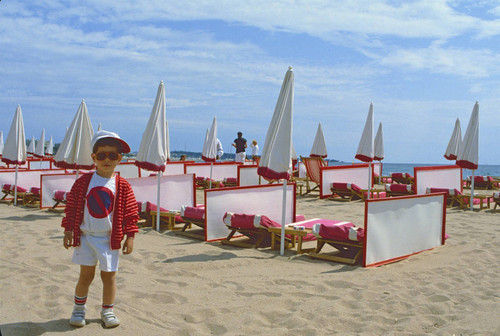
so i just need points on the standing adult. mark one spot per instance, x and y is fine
(220, 150)
(255, 149)
(240, 143)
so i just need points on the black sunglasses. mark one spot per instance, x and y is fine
(113, 156)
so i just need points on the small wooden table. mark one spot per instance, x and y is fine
(488, 198)
(297, 235)
(167, 217)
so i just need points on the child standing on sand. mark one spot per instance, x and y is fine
(100, 210)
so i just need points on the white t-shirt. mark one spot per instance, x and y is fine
(98, 211)
(255, 149)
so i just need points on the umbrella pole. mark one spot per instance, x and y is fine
(283, 218)
(158, 203)
(15, 186)
(472, 191)
(369, 179)
(210, 181)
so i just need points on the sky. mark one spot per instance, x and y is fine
(422, 64)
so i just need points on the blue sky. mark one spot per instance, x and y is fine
(422, 64)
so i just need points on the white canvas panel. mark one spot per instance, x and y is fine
(449, 177)
(248, 176)
(219, 171)
(262, 200)
(401, 226)
(377, 168)
(26, 178)
(175, 190)
(357, 174)
(127, 170)
(39, 164)
(51, 183)
(174, 168)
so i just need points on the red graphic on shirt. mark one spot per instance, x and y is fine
(100, 202)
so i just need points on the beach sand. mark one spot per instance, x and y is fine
(172, 285)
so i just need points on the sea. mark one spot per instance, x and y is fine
(387, 168)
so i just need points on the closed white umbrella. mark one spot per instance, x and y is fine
(49, 150)
(378, 146)
(209, 152)
(31, 146)
(14, 151)
(75, 151)
(455, 142)
(365, 147)
(152, 154)
(168, 140)
(468, 156)
(40, 146)
(275, 162)
(319, 145)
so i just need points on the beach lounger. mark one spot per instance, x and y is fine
(313, 172)
(392, 190)
(350, 192)
(403, 178)
(9, 190)
(455, 197)
(496, 199)
(345, 237)
(485, 182)
(255, 228)
(32, 197)
(59, 197)
(193, 216)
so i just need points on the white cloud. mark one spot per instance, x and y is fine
(446, 60)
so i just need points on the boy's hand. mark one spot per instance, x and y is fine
(68, 239)
(128, 246)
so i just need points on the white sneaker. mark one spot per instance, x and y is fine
(109, 318)
(78, 316)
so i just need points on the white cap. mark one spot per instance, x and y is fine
(106, 134)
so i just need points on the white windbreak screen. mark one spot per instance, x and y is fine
(51, 183)
(39, 164)
(175, 190)
(354, 174)
(127, 170)
(174, 168)
(258, 200)
(377, 168)
(248, 176)
(26, 178)
(401, 226)
(219, 171)
(445, 177)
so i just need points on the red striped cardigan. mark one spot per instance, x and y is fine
(125, 211)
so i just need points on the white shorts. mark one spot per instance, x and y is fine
(95, 248)
(240, 157)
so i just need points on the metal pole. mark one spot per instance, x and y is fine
(158, 202)
(283, 218)
(472, 191)
(15, 186)
(369, 179)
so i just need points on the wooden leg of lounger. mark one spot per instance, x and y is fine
(274, 237)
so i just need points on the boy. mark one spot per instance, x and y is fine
(100, 210)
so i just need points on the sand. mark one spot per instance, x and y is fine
(172, 285)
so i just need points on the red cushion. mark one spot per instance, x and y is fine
(346, 186)
(190, 212)
(35, 191)
(60, 195)
(400, 188)
(337, 230)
